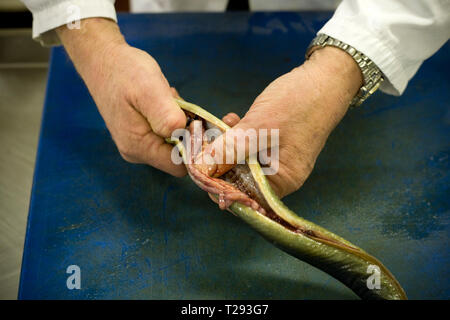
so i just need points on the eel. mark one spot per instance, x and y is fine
(245, 191)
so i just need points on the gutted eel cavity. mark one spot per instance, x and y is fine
(246, 192)
(227, 192)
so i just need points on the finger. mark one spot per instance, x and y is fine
(158, 154)
(175, 93)
(155, 102)
(231, 119)
(237, 144)
(149, 149)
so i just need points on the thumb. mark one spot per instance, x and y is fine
(245, 140)
(156, 104)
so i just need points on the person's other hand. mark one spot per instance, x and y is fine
(130, 91)
(305, 105)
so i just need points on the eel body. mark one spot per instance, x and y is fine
(247, 193)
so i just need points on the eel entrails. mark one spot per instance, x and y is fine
(246, 192)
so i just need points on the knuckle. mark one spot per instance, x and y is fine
(126, 152)
(295, 178)
(174, 121)
(309, 167)
(298, 183)
(152, 147)
(303, 175)
(126, 157)
(179, 174)
(169, 123)
(121, 146)
(295, 184)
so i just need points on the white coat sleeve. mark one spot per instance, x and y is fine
(398, 35)
(50, 14)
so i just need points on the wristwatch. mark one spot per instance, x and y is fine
(372, 75)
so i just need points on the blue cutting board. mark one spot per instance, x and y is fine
(382, 180)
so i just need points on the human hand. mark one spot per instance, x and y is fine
(130, 91)
(305, 105)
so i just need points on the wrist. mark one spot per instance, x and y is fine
(91, 43)
(339, 67)
(327, 82)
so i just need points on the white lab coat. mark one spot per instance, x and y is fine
(398, 35)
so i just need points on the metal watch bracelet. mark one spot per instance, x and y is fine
(372, 76)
